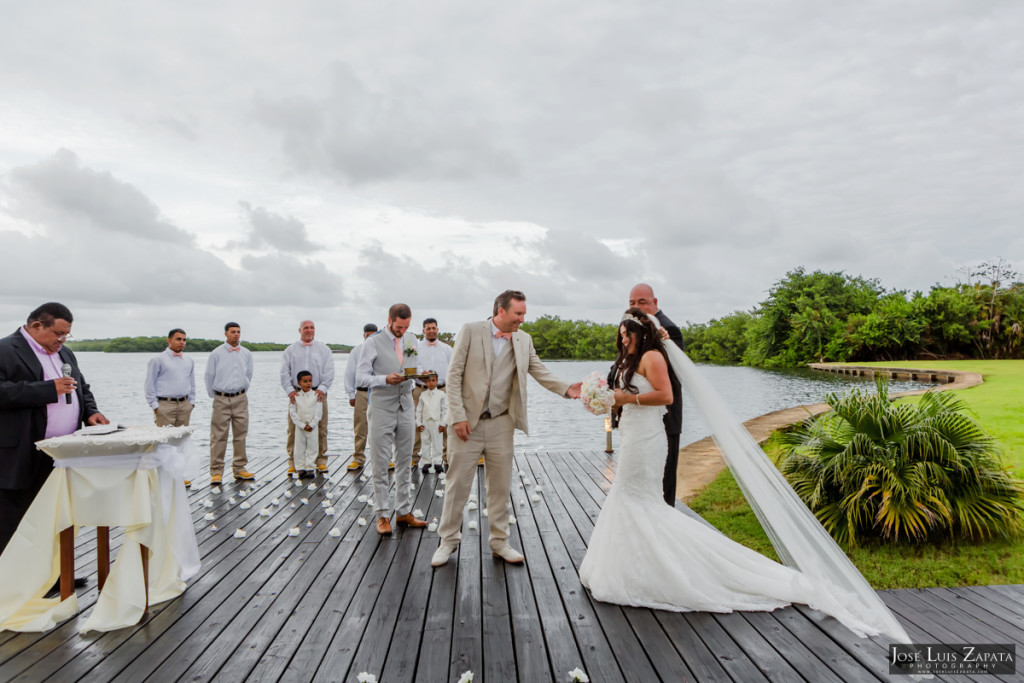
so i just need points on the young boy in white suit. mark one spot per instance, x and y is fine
(430, 422)
(305, 413)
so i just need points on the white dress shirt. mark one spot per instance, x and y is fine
(228, 371)
(350, 371)
(170, 376)
(433, 356)
(317, 358)
(497, 343)
(306, 410)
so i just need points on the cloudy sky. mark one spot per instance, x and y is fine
(186, 164)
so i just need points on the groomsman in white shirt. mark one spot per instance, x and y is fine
(318, 359)
(171, 384)
(357, 398)
(228, 373)
(432, 355)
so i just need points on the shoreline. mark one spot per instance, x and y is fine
(701, 462)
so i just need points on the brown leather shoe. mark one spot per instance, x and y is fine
(383, 526)
(408, 520)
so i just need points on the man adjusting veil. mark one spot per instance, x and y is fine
(486, 404)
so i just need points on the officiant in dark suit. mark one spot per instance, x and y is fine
(642, 297)
(36, 402)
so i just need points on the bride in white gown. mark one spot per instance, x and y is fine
(646, 554)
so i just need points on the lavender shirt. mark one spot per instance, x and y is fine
(61, 417)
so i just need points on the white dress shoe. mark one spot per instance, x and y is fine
(510, 555)
(441, 555)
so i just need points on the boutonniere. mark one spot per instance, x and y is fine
(410, 351)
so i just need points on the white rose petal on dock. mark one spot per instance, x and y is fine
(371, 502)
(243, 494)
(304, 501)
(511, 519)
(276, 501)
(207, 503)
(245, 505)
(325, 503)
(484, 512)
(215, 489)
(209, 515)
(292, 506)
(311, 487)
(265, 512)
(417, 513)
(328, 495)
(472, 498)
(466, 677)
(535, 498)
(334, 533)
(231, 500)
(526, 482)
(439, 493)
(472, 524)
(362, 498)
(538, 488)
(239, 533)
(298, 483)
(412, 487)
(294, 531)
(471, 505)
(329, 512)
(309, 525)
(287, 494)
(364, 677)
(432, 526)
(361, 521)
(442, 476)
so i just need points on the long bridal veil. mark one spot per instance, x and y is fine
(799, 539)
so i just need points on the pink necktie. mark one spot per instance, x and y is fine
(502, 335)
(398, 350)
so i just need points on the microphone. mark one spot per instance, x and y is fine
(66, 371)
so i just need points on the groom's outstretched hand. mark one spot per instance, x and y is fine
(574, 390)
(462, 430)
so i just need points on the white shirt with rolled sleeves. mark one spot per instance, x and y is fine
(433, 356)
(317, 358)
(350, 371)
(228, 371)
(170, 376)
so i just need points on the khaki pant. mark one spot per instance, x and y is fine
(418, 442)
(228, 413)
(321, 456)
(360, 427)
(172, 413)
(492, 439)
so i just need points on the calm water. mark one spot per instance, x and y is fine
(555, 423)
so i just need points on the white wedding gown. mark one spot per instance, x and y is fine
(645, 554)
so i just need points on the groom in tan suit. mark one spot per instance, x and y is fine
(486, 403)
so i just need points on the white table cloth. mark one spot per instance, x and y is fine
(131, 479)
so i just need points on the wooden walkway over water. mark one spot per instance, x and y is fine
(272, 607)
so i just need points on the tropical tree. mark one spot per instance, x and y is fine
(872, 468)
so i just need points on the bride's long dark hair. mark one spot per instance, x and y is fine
(638, 324)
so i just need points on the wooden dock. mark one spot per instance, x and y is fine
(274, 607)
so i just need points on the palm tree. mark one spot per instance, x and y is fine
(874, 468)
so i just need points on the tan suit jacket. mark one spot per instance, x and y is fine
(470, 371)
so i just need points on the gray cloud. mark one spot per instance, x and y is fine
(272, 230)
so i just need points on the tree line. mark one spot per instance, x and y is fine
(833, 316)
(158, 344)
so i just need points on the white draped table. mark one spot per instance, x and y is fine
(132, 479)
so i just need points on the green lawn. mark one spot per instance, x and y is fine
(998, 405)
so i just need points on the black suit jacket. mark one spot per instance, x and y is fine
(24, 395)
(674, 416)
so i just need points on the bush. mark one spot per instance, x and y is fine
(874, 469)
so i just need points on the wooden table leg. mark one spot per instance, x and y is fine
(67, 563)
(102, 554)
(145, 575)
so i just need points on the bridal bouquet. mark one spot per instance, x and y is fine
(596, 395)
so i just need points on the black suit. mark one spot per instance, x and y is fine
(24, 395)
(674, 415)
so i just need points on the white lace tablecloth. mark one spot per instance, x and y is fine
(132, 479)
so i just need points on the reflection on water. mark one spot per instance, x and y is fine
(555, 423)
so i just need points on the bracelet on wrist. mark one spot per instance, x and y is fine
(638, 399)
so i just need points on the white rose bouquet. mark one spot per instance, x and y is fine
(596, 395)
